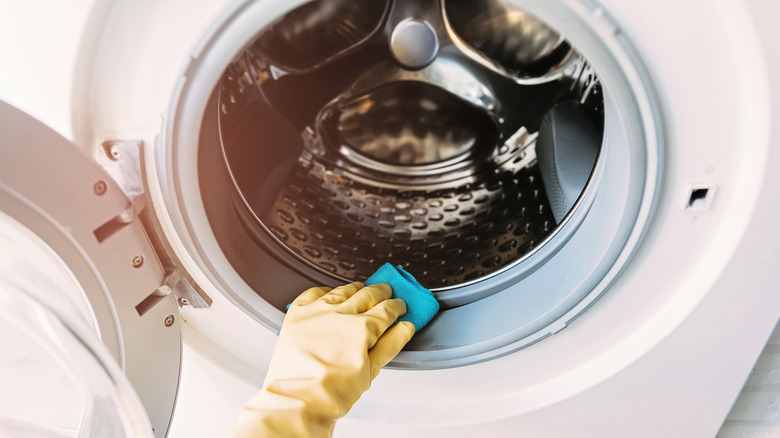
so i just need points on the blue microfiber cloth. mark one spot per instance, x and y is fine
(421, 306)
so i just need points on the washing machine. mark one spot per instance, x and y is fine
(588, 189)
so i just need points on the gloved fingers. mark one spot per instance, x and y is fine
(367, 297)
(380, 317)
(389, 345)
(342, 293)
(310, 295)
(387, 311)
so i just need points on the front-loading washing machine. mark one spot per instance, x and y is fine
(585, 186)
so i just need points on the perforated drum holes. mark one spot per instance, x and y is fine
(443, 236)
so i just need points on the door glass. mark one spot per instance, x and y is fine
(57, 378)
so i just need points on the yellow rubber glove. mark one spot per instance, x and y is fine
(332, 345)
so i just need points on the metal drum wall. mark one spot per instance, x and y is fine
(352, 160)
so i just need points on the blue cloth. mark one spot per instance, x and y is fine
(421, 306)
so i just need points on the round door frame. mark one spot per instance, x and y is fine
(626, 178)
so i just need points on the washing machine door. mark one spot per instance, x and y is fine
(90, 324)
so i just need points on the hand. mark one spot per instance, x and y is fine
(332, 345)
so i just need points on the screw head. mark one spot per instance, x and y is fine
(138, 261)
(116, 154)
(100, 188)
(169, 320)
(184, 301)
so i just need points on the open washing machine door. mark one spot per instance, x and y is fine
(91, 345)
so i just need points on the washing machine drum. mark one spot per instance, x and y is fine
(458, 140)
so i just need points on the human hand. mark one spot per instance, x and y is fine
(332, 345)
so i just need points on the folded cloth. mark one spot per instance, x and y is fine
(421, 306)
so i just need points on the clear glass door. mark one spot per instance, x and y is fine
(56, 377)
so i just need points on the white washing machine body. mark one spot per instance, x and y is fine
(663, 352)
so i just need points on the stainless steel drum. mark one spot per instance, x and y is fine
(356, 134)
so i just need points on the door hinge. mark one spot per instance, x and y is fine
(123, 161)
(185, 293)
